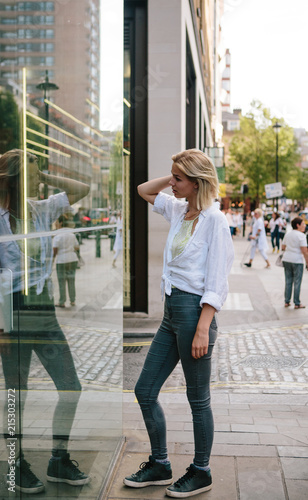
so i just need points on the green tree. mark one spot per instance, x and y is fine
(9, 122)
(10, 125)
(253, 152)
(297, 187)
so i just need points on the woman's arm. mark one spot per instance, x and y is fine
(75, 190)
(150, 189)
(200, 342)
(304, 251)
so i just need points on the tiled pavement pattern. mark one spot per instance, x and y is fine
(97, 355)
(256, 356)
(259, 358)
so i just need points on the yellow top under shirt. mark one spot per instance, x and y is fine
(182, 237)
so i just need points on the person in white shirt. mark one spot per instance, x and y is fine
(275, 225)
(231, 221)
(65, 247)
(197, 260)
(295, 254)
(238, 221)
(258, 238)
(118, 242)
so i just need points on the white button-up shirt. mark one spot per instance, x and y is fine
(203, 266)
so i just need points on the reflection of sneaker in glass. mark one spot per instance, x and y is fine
(25, 480)
(150, 474)
(195, 481)
(63, 470)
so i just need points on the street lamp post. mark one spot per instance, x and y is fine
(276, 128)
(46, 86)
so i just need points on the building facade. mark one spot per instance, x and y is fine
(172, 90)
(38, 35)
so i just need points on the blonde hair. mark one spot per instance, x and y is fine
(10, 168)
(198, 167)
(259, 211)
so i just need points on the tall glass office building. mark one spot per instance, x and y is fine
(60, 255)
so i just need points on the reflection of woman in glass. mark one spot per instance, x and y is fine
(35, 326)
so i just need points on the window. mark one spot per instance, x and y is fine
(8, 48)
(38, 6)
(8, 62)
(35, 20)
(8, 34)
(31, 33)
(8, 20)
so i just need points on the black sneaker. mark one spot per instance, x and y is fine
(150, 474)
(247, 264)
(195, 481)
(25, 480)
(64, 470)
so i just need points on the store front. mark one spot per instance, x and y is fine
(60, 268)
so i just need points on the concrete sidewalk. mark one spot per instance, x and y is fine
(260, 447)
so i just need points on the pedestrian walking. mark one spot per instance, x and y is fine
(283, 228)
(65, 253)
(238, 221)
(197, 259)
(35, 327)
(275, 224)
(295, 255)
(231, 221)
(118, 242)
(258, 238)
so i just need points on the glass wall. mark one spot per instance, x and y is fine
(60, 251)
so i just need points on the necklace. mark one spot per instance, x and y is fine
(191, 216)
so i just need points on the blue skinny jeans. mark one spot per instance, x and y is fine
(172, 343)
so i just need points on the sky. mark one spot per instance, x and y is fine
(268, 41)
(111, 64)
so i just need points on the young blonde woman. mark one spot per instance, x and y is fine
(197, 259)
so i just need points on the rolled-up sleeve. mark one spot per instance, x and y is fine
(167, 206)
(218, 265)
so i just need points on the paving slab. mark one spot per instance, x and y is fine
(260, 478)
(297, 490)
(295, 468)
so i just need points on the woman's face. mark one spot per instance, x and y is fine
(33, 180)
(182, 186)
(302, 226)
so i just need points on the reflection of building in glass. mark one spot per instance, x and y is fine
(62, 37)
(226, 82)
(172, 87)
